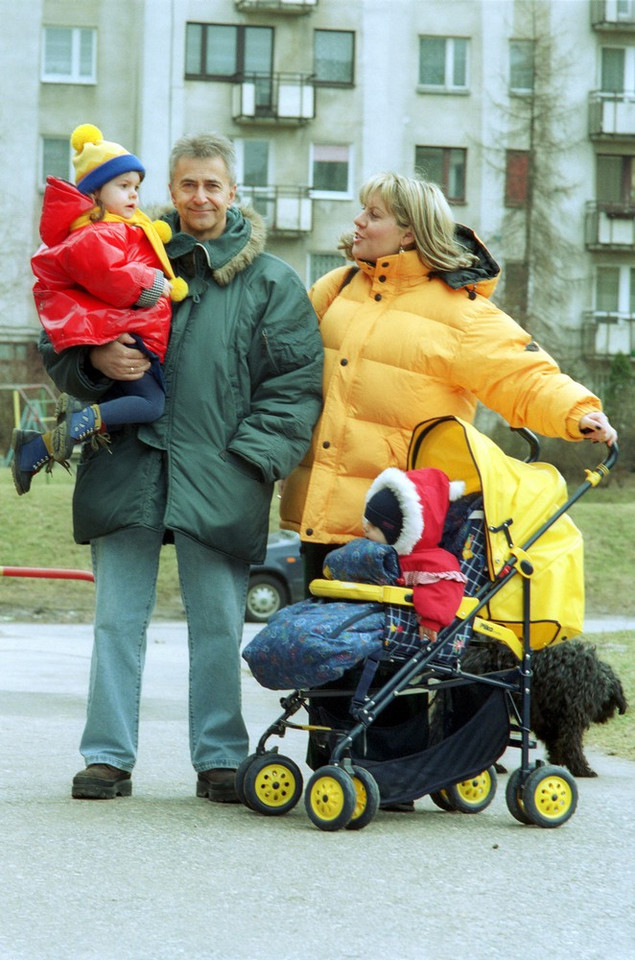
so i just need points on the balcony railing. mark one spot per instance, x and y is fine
(604, 335)
(613, 15)
(611, 114)
(610, 226)
(287, 7)
(274, 98)
(287, 210)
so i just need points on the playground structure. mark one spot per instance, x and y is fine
(33, 409)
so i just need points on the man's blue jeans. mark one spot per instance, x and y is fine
(214, 590)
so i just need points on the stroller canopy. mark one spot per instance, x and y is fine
(518, 500)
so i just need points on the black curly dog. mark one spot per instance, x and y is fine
(571, 689)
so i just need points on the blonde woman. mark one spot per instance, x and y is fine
(410, 333)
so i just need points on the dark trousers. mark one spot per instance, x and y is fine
(314, 555)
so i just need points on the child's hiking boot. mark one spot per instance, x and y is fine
(66, 404)
(76, 423)
(31, 452)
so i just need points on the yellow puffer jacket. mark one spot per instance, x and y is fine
(402, 346)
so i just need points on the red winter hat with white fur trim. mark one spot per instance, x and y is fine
(411, 506)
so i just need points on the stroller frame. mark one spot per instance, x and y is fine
(346, 793)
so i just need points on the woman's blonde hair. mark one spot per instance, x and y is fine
(421, 207)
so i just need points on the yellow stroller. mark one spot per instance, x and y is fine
(529, 594)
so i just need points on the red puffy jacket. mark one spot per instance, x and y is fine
(88, 278)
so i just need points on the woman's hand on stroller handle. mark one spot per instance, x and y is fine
(596, 427)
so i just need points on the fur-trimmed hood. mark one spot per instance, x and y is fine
(423, 496)
(242, 241)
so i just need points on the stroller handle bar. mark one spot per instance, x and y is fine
(534, 443)
(534, 451)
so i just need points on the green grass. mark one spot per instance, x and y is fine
(36, 532)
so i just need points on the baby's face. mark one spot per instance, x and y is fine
(371, 532)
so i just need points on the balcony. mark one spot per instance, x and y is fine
(287, 211)
(613, 15)
(610, 226)
(611, 115)
(284, 7)
(604, 335)
(274, 98)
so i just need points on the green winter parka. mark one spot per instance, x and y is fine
(243, 374)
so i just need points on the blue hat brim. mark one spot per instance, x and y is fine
(109, 170)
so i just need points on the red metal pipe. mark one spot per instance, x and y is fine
(46, 573)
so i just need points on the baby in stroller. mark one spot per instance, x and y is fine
(408, 510)
(316, 641)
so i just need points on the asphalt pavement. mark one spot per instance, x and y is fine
(162, 875)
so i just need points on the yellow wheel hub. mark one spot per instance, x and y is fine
(274, 785)
(475, 789)
(553, 797)
(327, 798)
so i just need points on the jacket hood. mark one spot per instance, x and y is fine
(238, 246)
(62, 205)
(423, 496)
(485, 270)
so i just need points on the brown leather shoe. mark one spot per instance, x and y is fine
(218, 784)
(101, 781)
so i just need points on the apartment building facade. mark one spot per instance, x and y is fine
(523, 110)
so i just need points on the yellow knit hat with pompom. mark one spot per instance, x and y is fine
(97, 161)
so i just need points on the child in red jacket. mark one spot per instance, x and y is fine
(102, 272)
(408, 510)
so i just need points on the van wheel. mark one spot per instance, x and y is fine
(265, 596)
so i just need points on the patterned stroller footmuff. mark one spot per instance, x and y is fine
(317, 641)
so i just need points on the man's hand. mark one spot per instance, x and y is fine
(118, 361)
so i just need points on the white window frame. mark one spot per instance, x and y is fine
(448, 86)
(74, 75)
(317, 194)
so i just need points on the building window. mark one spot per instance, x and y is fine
(615, 180)
(322, 263)
(334, 57)
(215, 51)
(615, 292)
(55, 158)
(69, 55)
(331, 170)
(252, 163)
(516, 178)
(521, 66)
(617, 70)
(443, 62)
(445, 166)
(516, 282)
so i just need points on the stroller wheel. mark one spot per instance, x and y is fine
(550, 796)
(330, 798)
(474, 794)
(368, 798)
(240, 777)
(513, 796)
(441, 799)
(272, 785)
